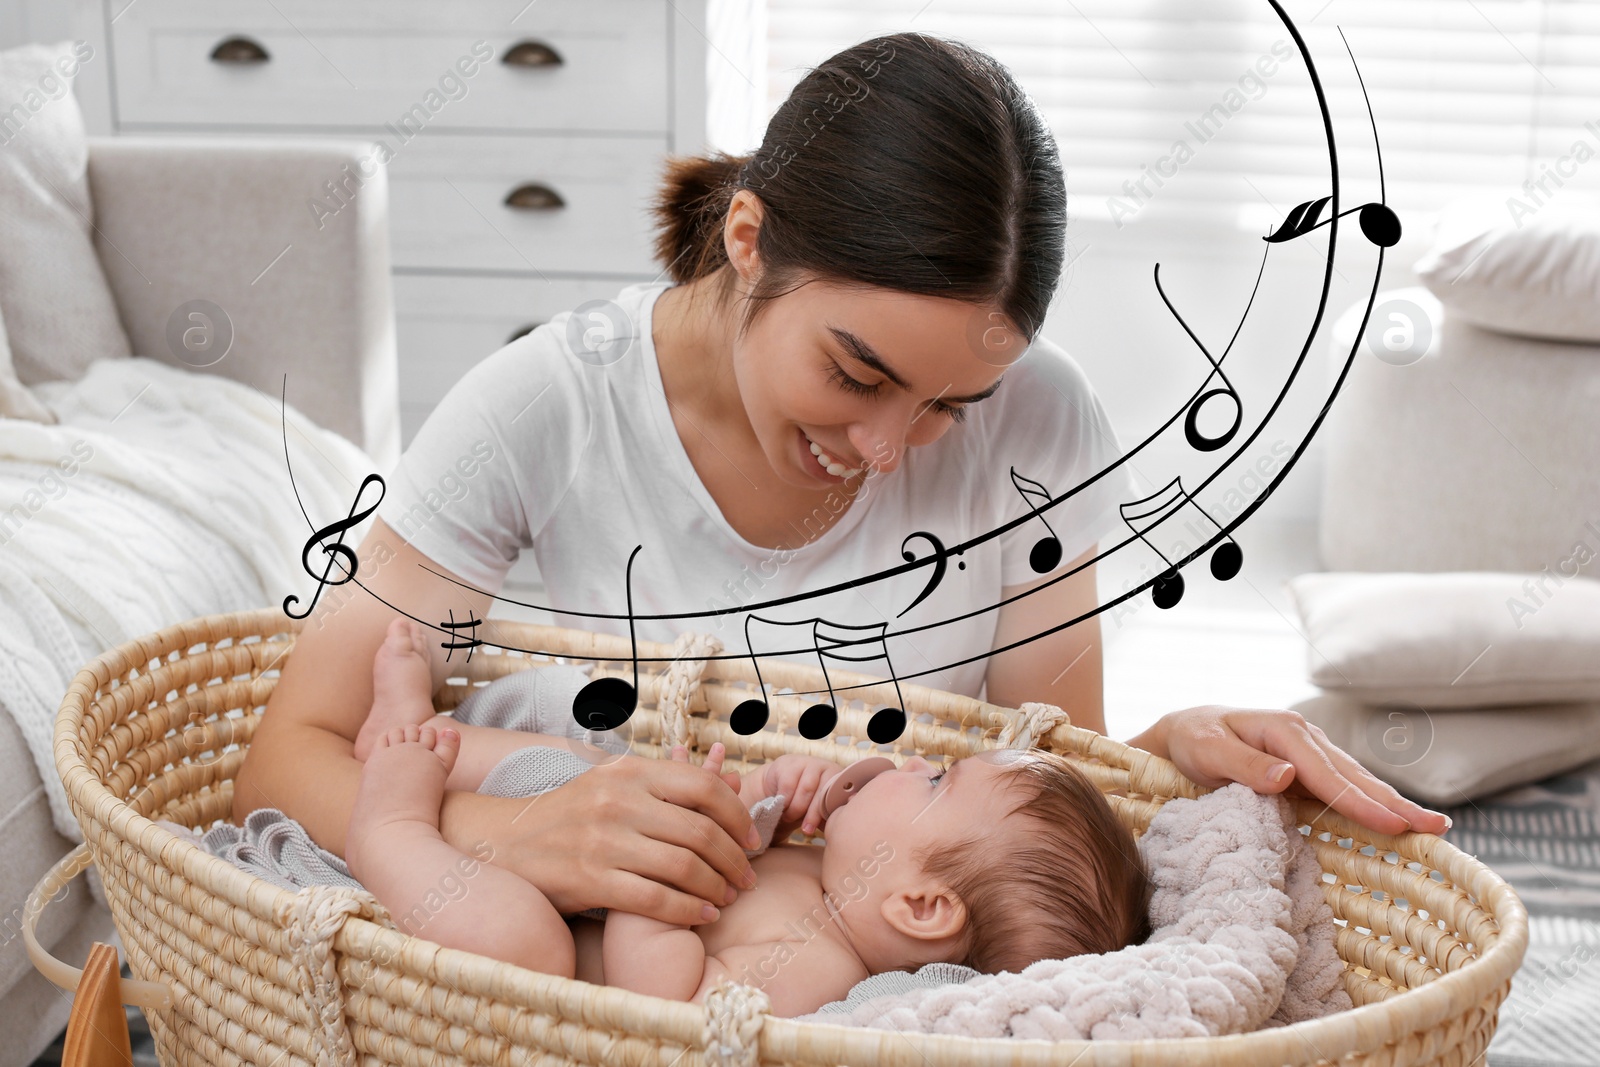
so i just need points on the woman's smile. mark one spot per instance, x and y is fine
(819, 462)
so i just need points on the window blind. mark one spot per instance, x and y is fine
(1211, 98)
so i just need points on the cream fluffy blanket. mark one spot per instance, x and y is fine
(1243, 939)
(160, 495)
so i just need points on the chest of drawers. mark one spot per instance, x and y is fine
(523, 140)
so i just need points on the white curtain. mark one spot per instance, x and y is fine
(1470, 96)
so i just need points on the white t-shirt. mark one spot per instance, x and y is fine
(537, 448)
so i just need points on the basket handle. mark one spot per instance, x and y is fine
(152, 996)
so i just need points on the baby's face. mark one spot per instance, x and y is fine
(918, 803)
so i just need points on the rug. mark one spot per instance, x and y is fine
(1544, 839)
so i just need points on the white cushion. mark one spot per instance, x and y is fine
(58, 308)
(1532, 273)
(1449, 757)
(1456, 640)
(16, 402)
(1478, 457)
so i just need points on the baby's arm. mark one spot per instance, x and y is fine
(804, 975)
(645, 955)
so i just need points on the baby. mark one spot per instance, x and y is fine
(1003, 859)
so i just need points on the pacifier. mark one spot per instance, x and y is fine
(848, 782)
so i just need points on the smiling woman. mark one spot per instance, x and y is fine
(845, 363)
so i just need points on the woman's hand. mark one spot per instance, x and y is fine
(653, 837)
(1270, 751)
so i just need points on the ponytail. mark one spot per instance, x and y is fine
(689, 212)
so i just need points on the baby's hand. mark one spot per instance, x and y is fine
(804, 780)
(713, 763)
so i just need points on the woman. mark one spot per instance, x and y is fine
(782, 419)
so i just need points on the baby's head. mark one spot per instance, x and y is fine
(1006, 859)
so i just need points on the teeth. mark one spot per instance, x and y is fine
(831, 465)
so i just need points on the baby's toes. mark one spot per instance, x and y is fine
(419, 639)
(395, 735)
(447, 745)
(398, 636)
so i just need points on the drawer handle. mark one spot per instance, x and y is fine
(239, 50)
(532, 196)
(523, 331)
(532, 54)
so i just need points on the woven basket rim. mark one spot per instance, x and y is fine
(1361, 1029)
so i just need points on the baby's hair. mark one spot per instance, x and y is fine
(1066, 880)
(930, 133)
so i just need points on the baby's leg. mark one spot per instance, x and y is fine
(402, 695)
(402, 684)
(395, 851)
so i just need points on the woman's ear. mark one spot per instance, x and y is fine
(741, 230)
(928, 912)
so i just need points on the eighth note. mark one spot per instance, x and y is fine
(1141, 515)
(1379, 224)
(338, 550)
(607, 703)
(456, 642)
(1046, 554)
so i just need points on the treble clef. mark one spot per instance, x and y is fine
(338, 551)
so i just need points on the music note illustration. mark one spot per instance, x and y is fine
(1142, 514)
(941, 560)
(456, 641)
(607, 703)
(1046, 553)
(1191, 423)
(1379, 224)
(338, 551)
(818, 721)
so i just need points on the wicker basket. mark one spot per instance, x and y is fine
(238, 971)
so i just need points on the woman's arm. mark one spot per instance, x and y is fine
(1267, 749)
(648, 836)
(1064, 668)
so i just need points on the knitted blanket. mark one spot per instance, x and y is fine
(161, 494)
(1242, 939)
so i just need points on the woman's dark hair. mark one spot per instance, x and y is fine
(906, 162)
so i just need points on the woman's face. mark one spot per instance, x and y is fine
(863, 374)
(852, 376)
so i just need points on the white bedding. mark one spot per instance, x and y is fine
(163, 494)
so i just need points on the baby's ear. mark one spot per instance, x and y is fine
(929, 912)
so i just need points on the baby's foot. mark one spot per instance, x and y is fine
(402, 785)
(402, 684)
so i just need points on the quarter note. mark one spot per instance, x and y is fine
(607, 703)
(456, 641)
(1046, 554)
(1191, 423)
(338, 551)
(1142, 514)
(819, 720)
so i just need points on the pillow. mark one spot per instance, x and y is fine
(15, 400)
(53, 294)
(1455, 640)
(1531, 271)
(1454, 756)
